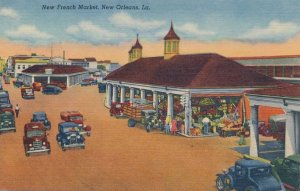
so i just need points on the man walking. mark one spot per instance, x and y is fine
(17, 110)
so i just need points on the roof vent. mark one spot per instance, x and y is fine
(48, 71)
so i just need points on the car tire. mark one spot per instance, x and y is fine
(27, 154)
(220, 184)
(250, 188)
(83, 147)
(88, 134)
(49, 152)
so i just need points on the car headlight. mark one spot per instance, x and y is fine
(30, 145)
(9, 122)
(80, 125)
(78, 136)
(68, 137)
(2, 123)
(44, 143)
(46, 121)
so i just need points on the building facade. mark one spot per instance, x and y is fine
(187, 87)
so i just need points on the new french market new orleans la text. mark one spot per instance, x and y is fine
(95, 7)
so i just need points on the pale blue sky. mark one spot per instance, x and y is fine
(203, 20)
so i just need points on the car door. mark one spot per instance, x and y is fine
(288, 171)
(241, 177)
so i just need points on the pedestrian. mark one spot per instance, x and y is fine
(174, 127)
(205, 122)
(17, 110)
(167, 124)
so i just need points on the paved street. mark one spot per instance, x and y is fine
(116, 157)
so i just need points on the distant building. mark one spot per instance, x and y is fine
(78, 62)
(11, 61)
(92, 62)
(23, 64)
(58, 61)
(69, 75)
(107, 65)
(285, 68)
(2, 64)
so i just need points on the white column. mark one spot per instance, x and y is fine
(297, 128)
(122, 98)
(108, 95)
(143, 94)
(254, 139)
(114, 93)
(131, 95)
(290, 141)
(170, 105)
(68, 81)
(155, 100)
(48, 81)
(187, 112)
(32, 79)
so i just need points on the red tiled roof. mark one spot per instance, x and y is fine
(90, 59)
(264, 57)
(292, 91)
(57, 69)
(171, 34)
(191, 71)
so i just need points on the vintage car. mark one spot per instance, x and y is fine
(54, 90)
(264, 129)
(116, 109)
(35, 138)
(69, 136)
(102, 87)
(151, 120)
(37, 86)
(7, 120)
(4, 100)
(288, 169)
(27, 92)
(248, 175)
(57, 84)
(18, 84)
(76, 117)
(277, 124)
(88, 82)
(41, 117)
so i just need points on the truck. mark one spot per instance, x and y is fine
(27, 92)
(4, 99)
(69, 136)
(277, 124)
(288, 169)
(143, 114)
(35, 138)
(41, 116)
(76, 117)
(7, 120)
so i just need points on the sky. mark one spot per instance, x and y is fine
(228, 27)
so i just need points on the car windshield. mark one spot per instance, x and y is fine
(35, 133)
(70, 129)
(260, 172)
(75, 118)
(4, 100)
(39, 117)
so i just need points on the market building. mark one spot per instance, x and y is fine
(286, 98)
(69, 75)
(187, 88)
(283, 67)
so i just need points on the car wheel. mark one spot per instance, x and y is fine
(83, 147)
(27, 154)
(220, 184)
(63, 147)
(250, 188)
(49, 152)
(15, 130)
(88, 134)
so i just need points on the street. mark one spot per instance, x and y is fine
(115, 157)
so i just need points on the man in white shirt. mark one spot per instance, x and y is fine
(205, 122)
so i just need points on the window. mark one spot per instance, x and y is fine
(19, 67)
(168, 47)
(23, 67)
